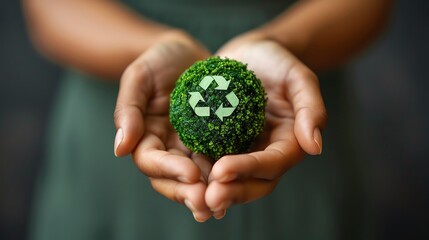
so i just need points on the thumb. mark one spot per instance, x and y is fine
(310, 112)
(131, 105)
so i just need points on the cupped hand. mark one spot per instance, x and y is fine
(294, 116)
(143, 128)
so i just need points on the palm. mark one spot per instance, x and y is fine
(279, 113)
(278, 132)
(142, 114)
(292, 92)
(271, 64)
(189, 178)
(168, 62)
(164, 64)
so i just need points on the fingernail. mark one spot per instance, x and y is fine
(220, 214)
(317, 137)
(200, 219)
(197, 216)
(118, 139)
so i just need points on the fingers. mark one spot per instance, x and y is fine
(221, 196)
(257, 165)
(174, 175)
(203, 162)
(131, 104)
(269, 164)
(192, 195)
(154, 161)
(281, 154)
(244, 178)
(303, 90)
(247, 177)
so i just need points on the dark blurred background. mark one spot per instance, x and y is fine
(389, 84)
(27, 85)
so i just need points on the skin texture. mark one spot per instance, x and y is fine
(106, 39)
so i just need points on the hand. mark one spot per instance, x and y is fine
(141, 117)
(294, 115)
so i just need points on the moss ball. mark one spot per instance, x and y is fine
(218, 107)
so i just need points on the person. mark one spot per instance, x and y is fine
(86, 193)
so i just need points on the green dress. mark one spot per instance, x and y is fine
(85, 193)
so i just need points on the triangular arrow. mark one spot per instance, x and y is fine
(222, 112)
(221, 82)
(232, 99)
(193, 101)
(206, 81)
(202, 111)
(195, 98)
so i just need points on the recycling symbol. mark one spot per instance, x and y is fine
(222, 111)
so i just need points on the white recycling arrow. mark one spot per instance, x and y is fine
(222, 112)
(193, 101)
(221, 82)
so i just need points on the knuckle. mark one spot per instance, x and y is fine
(176, 194)
(135, 72)
(225, 168)
(117, 113)
(303, 73)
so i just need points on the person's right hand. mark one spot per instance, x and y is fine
(143, 127)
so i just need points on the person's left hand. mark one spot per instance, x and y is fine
(294, 115)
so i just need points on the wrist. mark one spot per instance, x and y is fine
(183, 38)
(296, 43)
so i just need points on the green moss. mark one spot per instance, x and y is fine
(212, 135)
